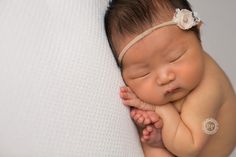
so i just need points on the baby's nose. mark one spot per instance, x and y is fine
(165, 78)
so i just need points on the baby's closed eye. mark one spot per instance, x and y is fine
(139, 74)
(175, 57)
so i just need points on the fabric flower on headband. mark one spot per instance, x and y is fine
(185, 19)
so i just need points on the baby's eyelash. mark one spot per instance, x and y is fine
(141, 76)
(145, 75)
(176, 58)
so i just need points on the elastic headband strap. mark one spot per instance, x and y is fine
(183, 18)
(141, 36)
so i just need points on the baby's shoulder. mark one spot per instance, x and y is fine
(215, 81)
(209, 92)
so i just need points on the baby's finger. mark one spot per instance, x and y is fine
(143, 139)
(130, 92)
(147, 121)
(145, 132)
(136, 117)
(124, 95)
(140, 120)
(146, 137)
(153, 116)
(149, 128)
(124, 89)
(158, 124)
(130, 102)
(133, 112)
(127, 102)
(127, 95)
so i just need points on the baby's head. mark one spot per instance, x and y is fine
(125, 19)
(158, 49)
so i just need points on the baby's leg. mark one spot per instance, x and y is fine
(149, 126)
(158, 152)
(152, 136)
(143, 118)
(152, 142)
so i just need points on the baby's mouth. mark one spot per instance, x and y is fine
(172, 90)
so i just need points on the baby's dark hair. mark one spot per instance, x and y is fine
(130, 17)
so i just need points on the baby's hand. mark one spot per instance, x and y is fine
(148, 122)
(149, 125)
(143, 118)
(130, 99)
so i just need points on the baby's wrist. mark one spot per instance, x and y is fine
(146, 106)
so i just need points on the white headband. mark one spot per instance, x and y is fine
(183, 18)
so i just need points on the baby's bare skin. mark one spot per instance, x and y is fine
(149, 126)
(224, 141)
(166, 70)
(148, 122)
(225, 137)
(186, 87)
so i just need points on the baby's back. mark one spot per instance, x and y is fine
(223, 142)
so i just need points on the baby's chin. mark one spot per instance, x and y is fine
(179, 96)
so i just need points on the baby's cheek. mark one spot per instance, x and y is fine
(194, 77)
(149, 94)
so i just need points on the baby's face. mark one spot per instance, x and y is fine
(164, 66)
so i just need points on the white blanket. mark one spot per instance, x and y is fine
(59, 83)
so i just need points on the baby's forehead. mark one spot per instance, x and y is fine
(120, 41)
(161, 37)
(122, 36)
(162, 41)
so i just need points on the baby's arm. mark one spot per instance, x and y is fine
(149, 126)
(183, 134)
(130, 99)
(187, 128)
